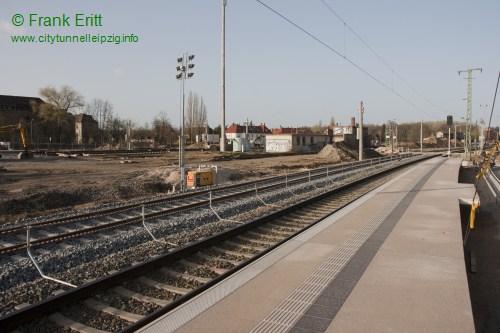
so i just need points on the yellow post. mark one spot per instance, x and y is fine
(473, 214)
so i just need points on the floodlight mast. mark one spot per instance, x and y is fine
(183, 75)
(467, 161)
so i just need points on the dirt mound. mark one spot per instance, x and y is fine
(198, 145)
(170, 174)
(338, 152)
(371, 153)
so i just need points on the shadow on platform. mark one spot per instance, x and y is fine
(482, 256)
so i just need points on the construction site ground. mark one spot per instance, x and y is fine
(49, 184)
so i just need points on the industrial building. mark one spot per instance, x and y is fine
(283, 143)
(16, 108)
(348, 134)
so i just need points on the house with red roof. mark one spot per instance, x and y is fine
(254, 134)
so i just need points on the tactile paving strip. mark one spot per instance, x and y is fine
(314, 304)
(299, 301)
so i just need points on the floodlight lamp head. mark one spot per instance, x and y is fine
(190, 66)
(190, 75)
(191, 57)
(179, 76)
(179, 59)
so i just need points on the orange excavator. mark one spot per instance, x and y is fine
(24, 139)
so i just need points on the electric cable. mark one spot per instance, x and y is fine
(343, 56)
(394, 72)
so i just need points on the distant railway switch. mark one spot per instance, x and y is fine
(200, 178)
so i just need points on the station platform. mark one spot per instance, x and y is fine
(392, 261)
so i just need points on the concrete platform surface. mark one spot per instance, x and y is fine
(393, 261)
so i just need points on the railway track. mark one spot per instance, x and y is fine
(14, 239)
(129, 298)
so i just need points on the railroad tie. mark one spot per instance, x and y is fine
(66, 322)
(159, 285)
(140, 297)
(125, 315)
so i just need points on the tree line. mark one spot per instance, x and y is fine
(54, 120)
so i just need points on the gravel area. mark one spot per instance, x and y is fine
(82, 261)
(93, 318)
(43, 325)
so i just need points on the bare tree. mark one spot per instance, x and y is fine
(58, 104)
(332, 122)
(66, 99)
(117, 129)
(164, 131)
(318, 129)
(102, 112)
(196, 116)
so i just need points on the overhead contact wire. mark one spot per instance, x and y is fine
(381, 59)
(342, 56)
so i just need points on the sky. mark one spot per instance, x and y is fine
(288, 62)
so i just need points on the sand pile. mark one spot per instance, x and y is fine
(165, 175)
(337, 153)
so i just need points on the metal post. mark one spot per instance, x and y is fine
(449, 138)
(421, 134)
(181, 141)
(396, 138)
(38, 268)
(391, 136)
(223, 78)
(361, 111)
(467, 161)
(184, 66)
(455, 136)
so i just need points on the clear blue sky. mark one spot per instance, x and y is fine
(275, 73)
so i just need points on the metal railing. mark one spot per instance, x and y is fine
(493, 184)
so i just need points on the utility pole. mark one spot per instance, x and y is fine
(421, 133)
(482, 138)
(223, 77)
(182, 75)
(449, 122)
(392, 127)
(467, 161)
(361, 111)
(455, 136)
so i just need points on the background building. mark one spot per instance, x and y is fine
(283, 143)
(253, 134)
(86, 129)
(15, 109)
(349, 134)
